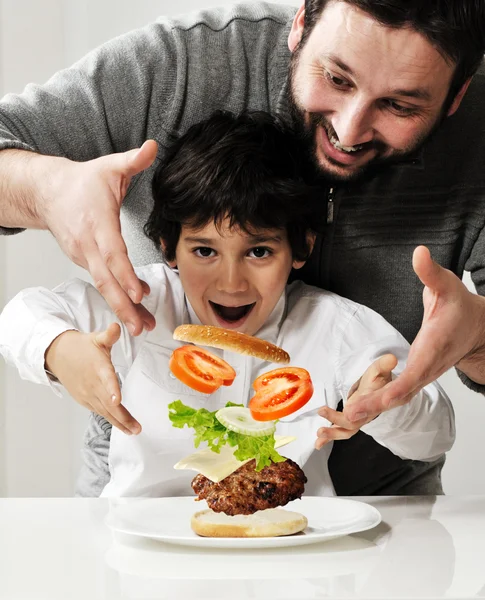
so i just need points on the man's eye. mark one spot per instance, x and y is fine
(204, 252)
(399, 108)
(259, 252)
(336, 81)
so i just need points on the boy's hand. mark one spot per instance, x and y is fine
(82, 363)
(376, 377)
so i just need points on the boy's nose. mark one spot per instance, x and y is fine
(232, 279)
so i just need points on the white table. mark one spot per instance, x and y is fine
(425, 547)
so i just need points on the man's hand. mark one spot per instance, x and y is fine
(375, 378)
(452, 334)
(82, 363)
(82, 210)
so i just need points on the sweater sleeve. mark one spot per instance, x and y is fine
(110, 101)
(476, 266)
(424, 428)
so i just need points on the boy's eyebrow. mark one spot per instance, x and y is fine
(198, 240)
(264, 239)
(252, 239)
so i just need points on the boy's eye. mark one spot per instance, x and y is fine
(260, 252)
(204, 252)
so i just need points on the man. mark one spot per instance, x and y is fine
(377, 89)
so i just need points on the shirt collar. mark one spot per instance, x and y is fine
(193, 319)
(271, 328)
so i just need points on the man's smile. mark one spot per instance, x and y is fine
(342, 155)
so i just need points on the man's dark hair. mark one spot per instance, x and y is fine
(249, 169)
(456, 28)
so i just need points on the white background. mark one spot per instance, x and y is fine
(40, 434)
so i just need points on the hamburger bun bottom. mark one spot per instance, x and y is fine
(271, 522)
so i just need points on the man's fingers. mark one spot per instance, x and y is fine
(431, 274)
(139, 159)
(119, 266)
(114, 254)
(378, 401)
(134, 316)
(145, 287)
(425, 365)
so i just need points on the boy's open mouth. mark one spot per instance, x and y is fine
(232, 314)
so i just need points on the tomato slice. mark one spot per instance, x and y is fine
(280, 393)
(200, 369)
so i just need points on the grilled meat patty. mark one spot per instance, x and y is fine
(246, 490)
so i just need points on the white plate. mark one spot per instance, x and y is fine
(168, 520)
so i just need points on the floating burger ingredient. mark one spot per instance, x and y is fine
(247, 490)
(241, 476)
(227, 339)
(280, 393)
(200, 369)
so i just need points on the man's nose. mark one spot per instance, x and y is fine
(354, 123)
(232, 278)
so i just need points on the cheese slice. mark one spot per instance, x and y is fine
(218, 466)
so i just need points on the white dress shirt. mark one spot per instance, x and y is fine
(333, 338)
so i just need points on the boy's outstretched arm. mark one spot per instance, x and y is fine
(375, 377)
(82, 364)
(422, 429)
(72, 333)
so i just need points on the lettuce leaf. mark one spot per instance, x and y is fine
(208, 429)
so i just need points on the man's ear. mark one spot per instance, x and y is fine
(171, 263)
(458, 98)
(297, 28)
(298, 264)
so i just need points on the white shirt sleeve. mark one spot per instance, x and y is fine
(424, 428)
(36, 316)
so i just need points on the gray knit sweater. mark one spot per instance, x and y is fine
(157, 81)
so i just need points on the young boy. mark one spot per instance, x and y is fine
(233, 214)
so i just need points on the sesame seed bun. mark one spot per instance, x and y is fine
(227, 339)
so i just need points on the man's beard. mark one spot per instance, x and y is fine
(306, 129)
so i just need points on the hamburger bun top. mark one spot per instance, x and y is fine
(226, 339)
